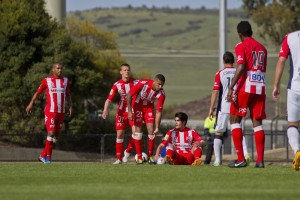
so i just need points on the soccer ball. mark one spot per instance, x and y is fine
(160, 161)
(144, 156)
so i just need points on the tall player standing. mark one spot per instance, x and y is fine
(250, 93)
(140, 102)
(291, 47)
(58, 90)
(122, 87)
(221, 86)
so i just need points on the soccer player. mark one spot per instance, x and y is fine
(221, 85)
(140, 102)
(122, 87)
(58, 90)
(250, 93)
(291, 47)
(184, 144)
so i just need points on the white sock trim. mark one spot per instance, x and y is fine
(137, 136)
(258, 128)
(151, 137)
(120, 140)
(234, 126)
(50, 138)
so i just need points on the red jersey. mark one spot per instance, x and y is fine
(254, 56)
(122, 88)
(182, 140)
(144, 95)
(56, 89)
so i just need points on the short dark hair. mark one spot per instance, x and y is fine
(56, 63)
(160, 77)
(125, 64)
(228, 58)
(182, 116)
(244, 28)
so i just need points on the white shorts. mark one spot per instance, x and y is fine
(293, 106)
(222, 122)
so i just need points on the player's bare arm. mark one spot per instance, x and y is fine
(213, 98)
(129, 101)
(105, 110)
(30, 105)
(158, 150)
(68, 97)
(238, 73)
(157, 121)
(278, 72)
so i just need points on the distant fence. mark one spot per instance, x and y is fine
(101, 147)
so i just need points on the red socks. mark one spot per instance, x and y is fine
(138, 144)
(130, 144)
(197, 153)
(119, 148)
(260, 142)
(50, 146)
(237, 136)
(170, 153)
(151, 144)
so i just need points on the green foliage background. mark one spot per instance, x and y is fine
(30, 42)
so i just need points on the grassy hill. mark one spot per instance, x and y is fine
(181, 44)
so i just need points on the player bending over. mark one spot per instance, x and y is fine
(57, 89)
(185, 144)
(122, 87)
(222, 82)
(142, 97)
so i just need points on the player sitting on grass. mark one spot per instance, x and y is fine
(185, 144)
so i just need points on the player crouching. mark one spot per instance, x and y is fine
(184, 144)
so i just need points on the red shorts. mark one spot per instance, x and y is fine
(244, 100)
(54, 121)
(183, 159)
(143, 114)
(122, 121)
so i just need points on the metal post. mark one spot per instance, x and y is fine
(222, 31)
(102, 147)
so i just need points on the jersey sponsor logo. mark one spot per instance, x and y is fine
(242, 110)
(239, 58)
(166, 137)
(216, 84)
(111, 91)
(257, 76)
(52, 84)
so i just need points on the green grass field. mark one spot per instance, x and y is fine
(106, 181)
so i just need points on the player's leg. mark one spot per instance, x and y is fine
(170, 154)
(131, 143)
(221, 126)
(257, 113)
(119, 145)
(293, 117)
(150, 120)
(194, 157)
(210, 149)
(137, 135)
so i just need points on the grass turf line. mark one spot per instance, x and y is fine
(106, 181)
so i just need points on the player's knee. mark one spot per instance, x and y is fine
(137, 136)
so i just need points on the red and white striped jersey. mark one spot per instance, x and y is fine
(223, 80)
(122, 88)
(56, 89)
(144, 95)
(291, 47)
(182, 140)
(254, 56)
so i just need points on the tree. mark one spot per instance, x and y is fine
(274, 18)
(30, 42)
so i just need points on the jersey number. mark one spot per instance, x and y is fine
(229, 81)
(258, 60)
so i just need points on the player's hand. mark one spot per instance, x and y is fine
(229, 95)
(208, 138)
(156, 131)
(70, 111)
(210, 114)
(276, 93)
(104, 114)
(156, 157)
(28, 109)
(130, 117)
